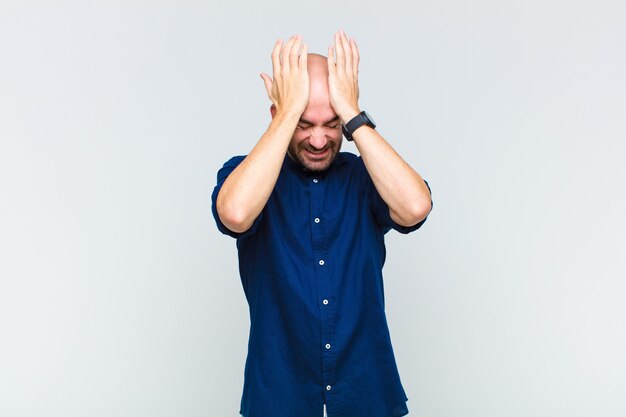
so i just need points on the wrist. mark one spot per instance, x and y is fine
(361, 119)
(348, 115)
(287, 116)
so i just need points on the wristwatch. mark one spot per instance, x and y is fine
(357, 121)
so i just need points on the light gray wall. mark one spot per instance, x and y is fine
(119, 297)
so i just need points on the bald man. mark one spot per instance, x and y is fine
(309, 223)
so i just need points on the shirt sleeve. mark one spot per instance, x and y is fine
(380, 208)
(222, 174)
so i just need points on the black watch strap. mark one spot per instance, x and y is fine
(357, 121)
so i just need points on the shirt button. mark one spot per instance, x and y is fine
(317, 220)
(327, 387)
(321, 262)
(327, 345)
(325, 301)
(315, 180)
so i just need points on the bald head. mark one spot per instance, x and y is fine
(317, 66)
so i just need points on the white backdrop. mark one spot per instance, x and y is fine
(119, 297)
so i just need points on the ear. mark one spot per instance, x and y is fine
(273, 110)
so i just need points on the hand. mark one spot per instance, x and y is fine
(343, 83)
(289, 91)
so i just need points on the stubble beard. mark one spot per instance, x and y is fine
(315, 165)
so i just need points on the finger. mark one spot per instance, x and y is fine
(286, 51)
(355, 58)
(331, 60)
(276, 57)
(268, 84)
(303, 57)
(347, 51)
(293, 54)
(341, 61)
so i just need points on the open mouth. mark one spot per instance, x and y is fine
(317, 154)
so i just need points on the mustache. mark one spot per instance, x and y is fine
(311, 149)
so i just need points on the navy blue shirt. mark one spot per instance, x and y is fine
(311, 269)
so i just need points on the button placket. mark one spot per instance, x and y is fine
(319, 235)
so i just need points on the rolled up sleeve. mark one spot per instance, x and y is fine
(222, 174)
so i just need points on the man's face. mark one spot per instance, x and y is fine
(317, 138)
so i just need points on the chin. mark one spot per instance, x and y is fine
(316, 166)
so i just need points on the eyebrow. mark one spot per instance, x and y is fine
(311, 123)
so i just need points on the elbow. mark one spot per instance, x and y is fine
(422, 214)
(417, 205)
(416, 213)
(421, 206)
(233, 218)
(234, 222)
(424, 208)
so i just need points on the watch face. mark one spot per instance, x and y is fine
(369, 117)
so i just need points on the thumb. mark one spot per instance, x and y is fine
(268, 83)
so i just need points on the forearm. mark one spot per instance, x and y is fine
(247, 189)
(402, 188)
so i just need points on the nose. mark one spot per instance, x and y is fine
(318, 138)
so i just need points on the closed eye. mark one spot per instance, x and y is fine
(330, 127)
